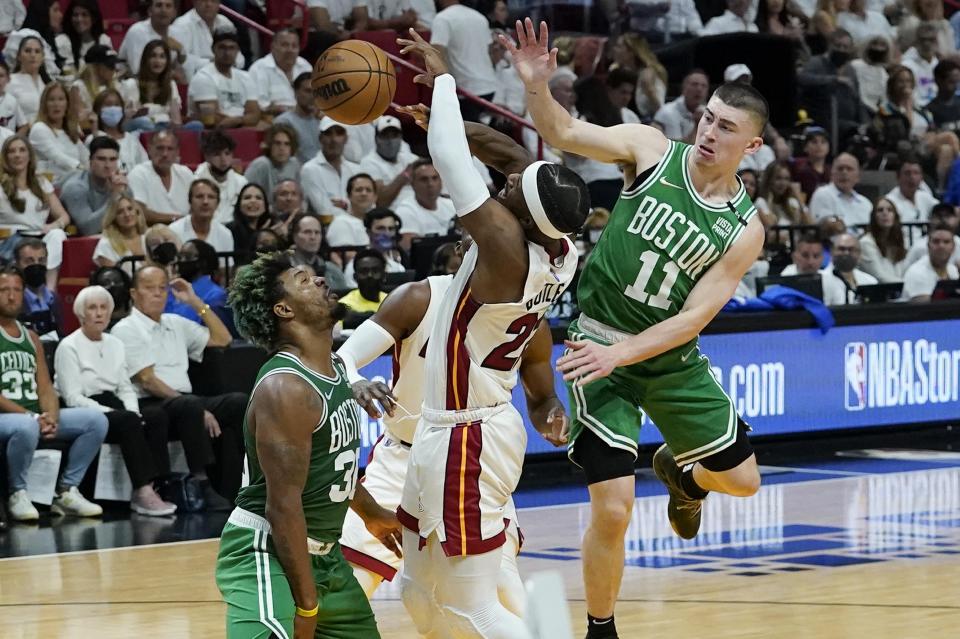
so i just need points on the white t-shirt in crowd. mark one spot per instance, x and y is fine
(917, 210)
(158, 113)
(219, 237)
(921, 279)
(321, 182)
(347, 230)
(862, 29)
(465, 34)
(420, 220)
(195, 35)
(26, 91)
(384, 171)
(920, 251)
(386, 9)
(231, 94)
(924, 89)
(11, 115)
(105, 249)
(147, 187)
(828, 200)
(84, 368)
(132, 152)
(339, 10)
(273, 84)
(229, 190)
(676, 119)
(35, 211)
(65, 49)
(728, 22)
(56, 152)
(426, 12)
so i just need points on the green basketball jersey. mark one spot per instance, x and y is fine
(660, 240)
(334, 455)
(18, 369)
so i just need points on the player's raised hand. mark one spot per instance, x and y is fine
(532, 59)
(587, 361)
(419, 112)
(432, 59)
(372, 396)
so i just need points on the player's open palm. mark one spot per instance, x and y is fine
(432, 59)
(586, 361)
(304, 627)
(532, 59)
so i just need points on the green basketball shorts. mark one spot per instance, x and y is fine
(676, 390)
(260, 604)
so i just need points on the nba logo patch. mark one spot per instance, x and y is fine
(855, 374)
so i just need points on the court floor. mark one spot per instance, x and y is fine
(867, 546)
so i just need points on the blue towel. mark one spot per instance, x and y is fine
(786, 298)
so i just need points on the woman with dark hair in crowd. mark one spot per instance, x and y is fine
(279, 159)
(629, 51)
(882, 248)
(781, 197)
(29, 77)
(91, 372)
(267, 241)
(899, 120)
(46, 18)
(151, 98)
(197, 263)
(250, 214)
(108, 109)
(118, 284)
(124, 226)
(446, 259)
(82, 29)
(56, 136)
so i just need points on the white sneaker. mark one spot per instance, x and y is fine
(20, 508)
(71, 502)
(152, 506)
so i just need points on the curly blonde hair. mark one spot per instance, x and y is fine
(110, 229)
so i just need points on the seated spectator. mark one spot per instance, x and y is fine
(396, 15)
(335, 16)
(325, 177)
(751, 183)
(150, 98)
(945, 107)
(162, 246)
(348, 230)
(86, 194)
(11, 16)
(680, 22)
(922, 277)
(250, 214)
(91, 372)
(158, 348)
(287, 204)
(97, 76)
(161, 185)
(303, 118)
(29, 77)
(160, 15)
(197, 263)
(383, 228)
(863, 24)
(871, 72)
(110, 118)
(631, 52)
(29, 206)
(45, 18)
(204, 197)
(41, 307)
(734, 20)
(882, 248)
(922, 60)
(845, 250)
(306, 237)
(389, 163)
(11, 115)
(840, 197)
(678, 118)
(561, 88)
(911, 196)
(117, 283)
(901, 123)
(370, 268)
(267, 241)
(218, 148)
(942, 215)
(510, 94)
(426, 213)
(780, 201)
(278, 162)
(221, 95)
(446, 259)
(56, 137)
(812, 169)
(274, 75)
(620, 85)
(30, 411)
(195, 30)
(828, 79)
(808, 259)
(124, 226)
(82, 31)
(926, 12)
(362, 141)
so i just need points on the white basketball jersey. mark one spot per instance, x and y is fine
(409, 362)
(474, 349)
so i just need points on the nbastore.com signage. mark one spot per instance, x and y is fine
(799, 380)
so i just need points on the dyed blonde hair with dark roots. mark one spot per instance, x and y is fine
(253, 293)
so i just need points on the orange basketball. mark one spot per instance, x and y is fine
(354, 82)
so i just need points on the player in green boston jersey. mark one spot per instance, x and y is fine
(280, 568)
(681, 235)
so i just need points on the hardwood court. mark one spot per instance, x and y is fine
(847, 555)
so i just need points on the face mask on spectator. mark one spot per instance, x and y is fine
(382, 241)
(876, 55)
(188, 269)
(389, 149)
(35, 275)
(111, 115)
(164, 253)
(844, 263)
(839, 58)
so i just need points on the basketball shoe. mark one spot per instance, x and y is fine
(682, 510)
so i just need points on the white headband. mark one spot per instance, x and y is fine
(528, 184)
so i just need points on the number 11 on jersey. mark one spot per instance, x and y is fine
(638, 290)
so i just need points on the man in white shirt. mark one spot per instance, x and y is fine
(865, 25)
(807, 259)
(845, 255)
(195, 29)
(338, 16)
(922, 277)
(733, 20)
(839, 197)
(159, 347)
(161, 185)
(462, 36)
(942, 214)
(274, 75)
(160, 15)
(913, 202)
(220, 95)
(426, 213)
(389, 164)
(678, 118)
(288, 203)
(922, 60)
(304, 119)
(218, 148)
(395, 15)
(324, 178)
(204, 200)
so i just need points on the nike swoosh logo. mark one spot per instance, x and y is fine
(328, 395)
(664, 182)
(684, 358)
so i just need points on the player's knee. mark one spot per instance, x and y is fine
(746, 484)
(419, 604)
(612, 515)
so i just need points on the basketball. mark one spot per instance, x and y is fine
(354, 82)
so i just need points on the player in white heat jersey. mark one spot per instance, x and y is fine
(402, 323)
(469, 446)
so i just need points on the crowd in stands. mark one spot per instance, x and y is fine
(190, 143)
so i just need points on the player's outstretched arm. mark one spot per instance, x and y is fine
(284, 412)
(381, 523)
(588, 361)
(536, 372)
(631, 144)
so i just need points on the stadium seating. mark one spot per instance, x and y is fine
(74, 275)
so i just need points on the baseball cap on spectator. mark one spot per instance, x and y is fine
(225, 34)
(385, 122)
(101, 54)
(736, 71)
(813, 131)
(328, 123)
